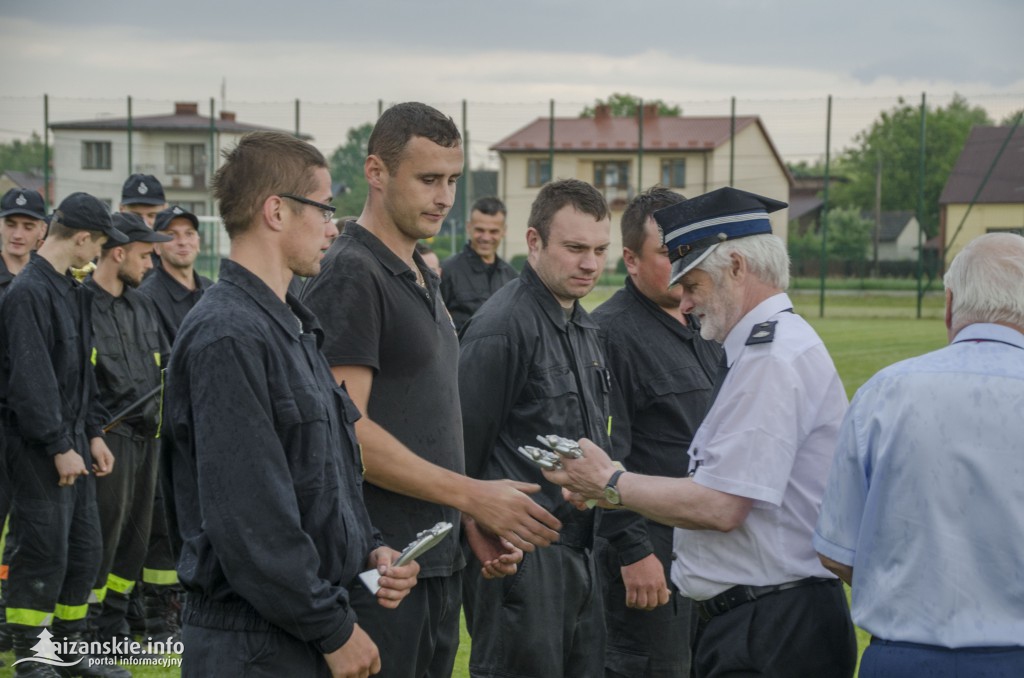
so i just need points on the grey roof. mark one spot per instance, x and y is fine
(892, 223)
(1005, 185)
(187, 122)
(27, 180)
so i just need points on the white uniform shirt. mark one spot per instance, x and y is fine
(770, 436)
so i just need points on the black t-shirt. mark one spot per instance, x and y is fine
(374, 314)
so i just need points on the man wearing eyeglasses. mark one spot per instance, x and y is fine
(390, 340)
(265, 465)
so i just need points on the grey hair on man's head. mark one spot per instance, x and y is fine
(986, 280)
(766, 255)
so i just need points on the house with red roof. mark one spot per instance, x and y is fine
(624, 155)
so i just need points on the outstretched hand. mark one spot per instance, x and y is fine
(504, 508)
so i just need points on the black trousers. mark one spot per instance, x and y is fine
(54, 563)
(160, 566)
(644, 644)
(125, 499)
(543, 622)
(804, 632)
(419, 639)
(248, 654)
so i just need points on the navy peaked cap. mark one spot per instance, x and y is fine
(693, 228)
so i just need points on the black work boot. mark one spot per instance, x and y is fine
(89, 666)
(26, 640)
(163, 613)
(136, 612)
(6, 639)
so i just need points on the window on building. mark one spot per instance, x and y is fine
(96, 155)
(611, 174)
(538, 172)
(185, 159)
(673, 172)
(196, 208)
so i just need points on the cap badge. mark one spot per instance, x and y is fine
(177, 210)
(142, 188)
(20, 200)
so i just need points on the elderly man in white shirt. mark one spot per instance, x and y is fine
(758, 463)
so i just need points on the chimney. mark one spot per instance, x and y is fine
(186, 108)
(227, 116)
(602, 112)
(650, 111)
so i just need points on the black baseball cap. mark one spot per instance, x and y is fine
(83, 212)
(136, 230)
(142, 189)
(23, 201)
(165, 217)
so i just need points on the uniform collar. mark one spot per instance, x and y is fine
(766, 310)
(475, 262)
(552, 309)
(990, 332)
(102, 298)
(178, 291)
(685, 331)
(5, 274)
(62, 283)
(388, 259)
(283, 313)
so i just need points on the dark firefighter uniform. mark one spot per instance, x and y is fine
(130, 350)
(526, 369)
(468, 281)
(48, 405)
(172, 299)
(160, 580)
(267, 485)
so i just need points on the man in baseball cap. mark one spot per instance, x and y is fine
(56, 445)
(144, 195)
(22, 231)
(130, 351)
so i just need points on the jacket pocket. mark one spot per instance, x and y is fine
(304, 428)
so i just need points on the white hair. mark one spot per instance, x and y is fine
(987, 281)
(766, 256)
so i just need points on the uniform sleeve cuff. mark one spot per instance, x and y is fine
(61, 445)
(635, 553)
(340, 636)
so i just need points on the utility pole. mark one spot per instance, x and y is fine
(878, 214)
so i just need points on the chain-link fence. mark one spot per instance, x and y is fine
(878, 238)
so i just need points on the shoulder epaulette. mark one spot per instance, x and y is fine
(762, 333)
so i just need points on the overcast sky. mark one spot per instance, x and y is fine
(518, 52)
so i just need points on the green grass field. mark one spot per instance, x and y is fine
(864, 332)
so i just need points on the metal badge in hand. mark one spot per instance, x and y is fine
(424, 541)
(548, 460)
(563, 446)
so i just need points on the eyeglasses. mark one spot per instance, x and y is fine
(328, 210)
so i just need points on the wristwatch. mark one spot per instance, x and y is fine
(611, 493)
